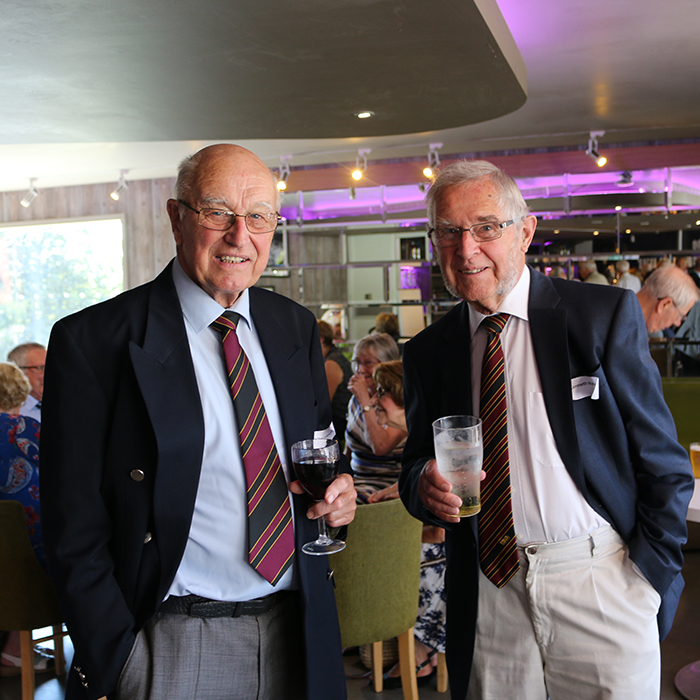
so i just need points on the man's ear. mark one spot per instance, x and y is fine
(174, 213)
(663, 304)
(529, 226)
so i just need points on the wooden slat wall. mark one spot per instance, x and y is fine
(148, 241)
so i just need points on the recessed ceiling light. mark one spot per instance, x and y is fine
(365, 114)
(596, 233)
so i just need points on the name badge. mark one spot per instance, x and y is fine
(584, 388)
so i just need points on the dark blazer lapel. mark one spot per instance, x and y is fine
(548, 326)
(288, 370)
(455, 354)
(165, 374)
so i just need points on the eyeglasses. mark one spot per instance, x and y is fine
(446, 236)
(36, 368)
(368, 364)
(380, 392)
(222, 219)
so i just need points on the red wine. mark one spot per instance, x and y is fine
(316, 476)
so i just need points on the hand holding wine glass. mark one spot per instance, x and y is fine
(316, 466)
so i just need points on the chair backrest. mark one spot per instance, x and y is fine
(27, 594)
(683, 398)
(378, 574)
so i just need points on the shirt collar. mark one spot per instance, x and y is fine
(198, 308)
(515, 304)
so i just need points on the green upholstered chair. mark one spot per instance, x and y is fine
(377, 578)
(27, 595)
(683, 398)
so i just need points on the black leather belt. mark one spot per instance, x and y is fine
(196, 606)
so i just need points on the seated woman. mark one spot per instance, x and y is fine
(374, 450)
(429, 629)
(19, 481)
(338, 373)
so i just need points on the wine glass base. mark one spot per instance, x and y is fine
(318, 548)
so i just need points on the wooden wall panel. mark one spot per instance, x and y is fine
(148, 241)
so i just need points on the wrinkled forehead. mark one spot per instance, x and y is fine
(480, 197)
(234, 178)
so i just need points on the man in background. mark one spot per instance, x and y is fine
(563, 583)
(666, 297)
(31, 359)
(695, 272)
(588, 272)
(171, 516)
(625, 279)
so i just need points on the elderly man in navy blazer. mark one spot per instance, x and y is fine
(145, 488)
(562, 585)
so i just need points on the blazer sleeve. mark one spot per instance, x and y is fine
(661, 468)
(421, 406)
(77, 525)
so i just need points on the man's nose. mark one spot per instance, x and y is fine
(237, 228)
(467, 246)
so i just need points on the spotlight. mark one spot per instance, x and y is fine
(121, 187)
(625, 179)
(365, 114)
(433, 160)
(360, 169)
(284, 173)
(31, 195)
(592, 149)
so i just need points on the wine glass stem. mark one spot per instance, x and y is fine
(322, 532)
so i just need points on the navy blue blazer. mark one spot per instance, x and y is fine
(621, 449)
(121, 395)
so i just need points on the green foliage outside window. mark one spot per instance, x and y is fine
(48, 271)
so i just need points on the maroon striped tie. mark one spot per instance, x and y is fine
(270, 528)
(497, 544)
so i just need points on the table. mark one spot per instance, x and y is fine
(687, 680)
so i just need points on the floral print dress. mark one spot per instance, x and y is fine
(19, 472)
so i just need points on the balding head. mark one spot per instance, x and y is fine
(666, 297)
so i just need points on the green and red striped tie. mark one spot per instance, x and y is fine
(270, 528)
(497, 543)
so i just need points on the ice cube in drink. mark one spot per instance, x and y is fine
(460, 464)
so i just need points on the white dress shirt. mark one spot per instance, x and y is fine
(215, 563)
(32, 408)
(547, 505)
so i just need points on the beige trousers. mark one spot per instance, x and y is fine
(578, 622)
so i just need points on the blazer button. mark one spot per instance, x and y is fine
(137, 475)
(147, 538)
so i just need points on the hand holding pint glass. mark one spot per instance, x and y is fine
(459, 454)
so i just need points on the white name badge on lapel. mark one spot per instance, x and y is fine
(584, 388)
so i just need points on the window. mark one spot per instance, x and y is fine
(50, 270)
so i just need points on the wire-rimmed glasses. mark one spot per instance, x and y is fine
(445, 236)
(223, 219)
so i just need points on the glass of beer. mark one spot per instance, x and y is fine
(459, 453)
(695, 458)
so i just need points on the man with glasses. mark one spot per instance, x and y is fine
(562, 584)
(666, 297)
(31, 358)
(170, 512)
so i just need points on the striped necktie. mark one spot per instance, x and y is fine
(270, 528)
(497, 544)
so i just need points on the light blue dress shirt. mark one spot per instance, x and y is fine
(215, 563)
